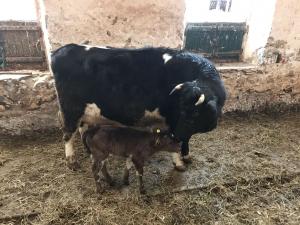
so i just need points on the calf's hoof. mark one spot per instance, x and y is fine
(111, 183)
(142, 191)
(72, 163)
(126, 182)
(99, 189)
(187, 159)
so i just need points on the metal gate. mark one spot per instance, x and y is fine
(215, 40)
(21, 44)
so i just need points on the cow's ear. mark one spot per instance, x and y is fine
(212, 104)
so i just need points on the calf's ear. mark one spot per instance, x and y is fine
(155, 130)
(157, 141)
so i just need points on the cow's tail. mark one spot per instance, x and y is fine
(87, 136)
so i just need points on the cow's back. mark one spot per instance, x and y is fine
(122, 82)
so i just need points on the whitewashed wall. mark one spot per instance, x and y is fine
(18, 10)
(256, 13)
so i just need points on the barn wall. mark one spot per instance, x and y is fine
(285, 33)
(119, 23)
(29, 103)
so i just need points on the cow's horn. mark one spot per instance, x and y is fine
(200, 100)
(176, 88)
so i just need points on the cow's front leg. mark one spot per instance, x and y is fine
(179, 159)
(178, 162)
(185, 151)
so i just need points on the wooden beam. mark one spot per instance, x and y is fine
(24, 59)
(17, 28)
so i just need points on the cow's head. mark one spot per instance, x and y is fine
(196, 110)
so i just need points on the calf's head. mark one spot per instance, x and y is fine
(164, 141)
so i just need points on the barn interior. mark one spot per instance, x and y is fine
(246, 171)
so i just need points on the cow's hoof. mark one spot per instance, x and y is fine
(187, 159)
(72, 163)
(180, 168)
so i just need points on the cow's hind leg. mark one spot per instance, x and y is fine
(72, 162)
(69, 123)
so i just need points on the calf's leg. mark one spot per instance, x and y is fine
(126, 170)
(105, 172)
(96, 171)
(139, 164)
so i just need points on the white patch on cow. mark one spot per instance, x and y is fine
(88, 47)
(69, 147)
(166, 57)
(92, 114)
(177, 159)
(153, 114)
(129, 163)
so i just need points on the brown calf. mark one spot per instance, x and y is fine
(136, 145)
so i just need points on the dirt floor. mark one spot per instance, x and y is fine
(247, 171)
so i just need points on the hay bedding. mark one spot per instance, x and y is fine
(245, 172)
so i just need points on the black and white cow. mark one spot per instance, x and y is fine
(127, 85)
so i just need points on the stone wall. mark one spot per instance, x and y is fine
(29, 103)
(286, 24)
(119, 23)
(272, 87)
(284, 41)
